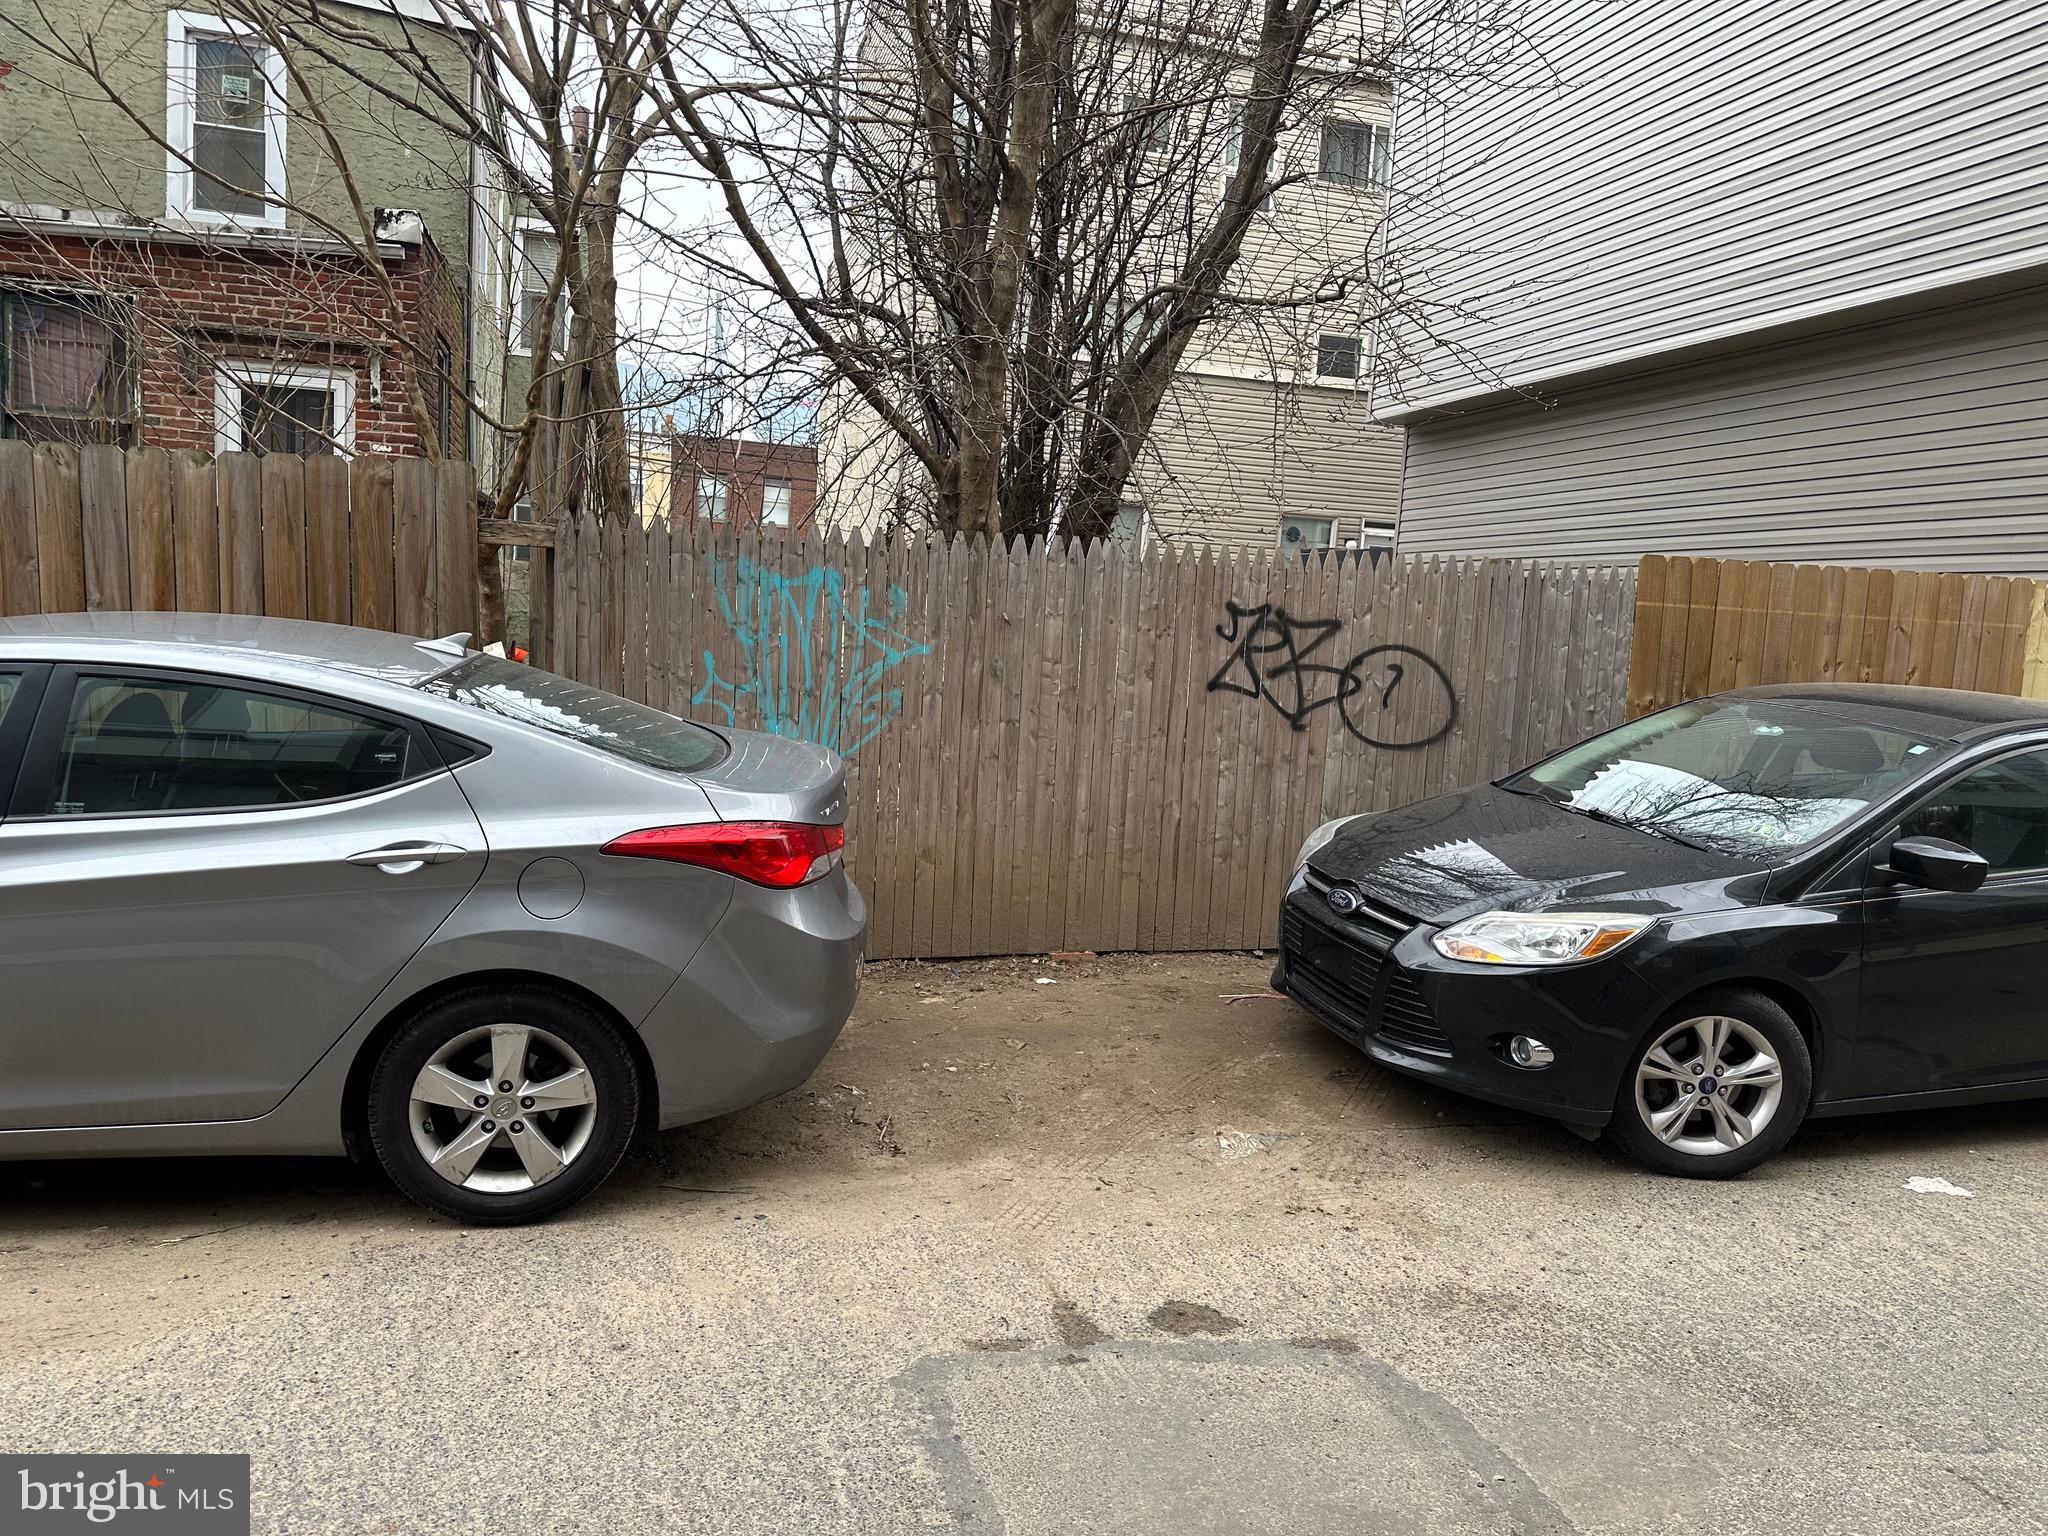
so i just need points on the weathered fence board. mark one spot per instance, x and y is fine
(103, 528)
(1703, 625)
(1051, 748)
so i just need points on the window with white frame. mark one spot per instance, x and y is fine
(1353, 155)
(302, 411)
(1127, 528)
(1233, 152)
(522, 512)
(1337, 358)
(710, 497)
(224, 124)
(1300, 534)
(540, 252)
(775, 502)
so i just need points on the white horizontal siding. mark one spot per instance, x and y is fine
(1230, 457)
(1702, 167)
(1915, 442)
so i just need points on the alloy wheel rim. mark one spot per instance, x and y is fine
(503, 1108)
(1709, 1086)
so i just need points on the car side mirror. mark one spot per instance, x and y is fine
(1937, 864)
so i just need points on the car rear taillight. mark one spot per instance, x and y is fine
(780, 854)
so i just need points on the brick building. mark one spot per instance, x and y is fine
(133, 336)
(169, 271)
(749, 484)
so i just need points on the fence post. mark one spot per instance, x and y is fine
(540, 604)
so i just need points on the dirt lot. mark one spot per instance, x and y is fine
(1108, 1254)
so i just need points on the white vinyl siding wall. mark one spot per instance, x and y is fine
(1919, 442)
(1707, 167)
(1231, 457)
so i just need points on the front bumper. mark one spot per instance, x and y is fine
(761, 1003)
(1390, 994)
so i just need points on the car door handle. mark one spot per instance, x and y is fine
(404, 858)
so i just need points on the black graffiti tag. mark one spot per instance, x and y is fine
(1284, 660)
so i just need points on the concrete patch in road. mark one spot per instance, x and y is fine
(1202, 1436)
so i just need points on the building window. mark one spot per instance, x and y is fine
(1376, 535)
(1233, 152)
(775, 499)
(540, 252)
(302, 411)
(710, 497)
(522, 512)
(1353, 155)
(225, 127)
(1151, 127)
(1337, 357)
(65, 374)
(1300, 534)
(1127, 530)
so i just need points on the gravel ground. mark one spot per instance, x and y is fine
(1110, 1254)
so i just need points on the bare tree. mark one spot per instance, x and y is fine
(1003, 226)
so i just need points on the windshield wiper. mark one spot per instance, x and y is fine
(1613, 820)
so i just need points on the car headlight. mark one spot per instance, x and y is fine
(1319, 839)
(1538, 938)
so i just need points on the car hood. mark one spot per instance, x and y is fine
(1483, 848)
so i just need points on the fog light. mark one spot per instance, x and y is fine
(1528, 1051)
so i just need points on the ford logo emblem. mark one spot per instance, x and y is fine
(1343, 900)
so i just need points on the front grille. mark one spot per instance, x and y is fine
(1345, 974)
(1405, 1019)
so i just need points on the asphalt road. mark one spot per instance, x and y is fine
(1106, 1255)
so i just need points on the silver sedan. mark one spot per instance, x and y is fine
(279, 887)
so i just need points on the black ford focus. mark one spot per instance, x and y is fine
(1702, 927)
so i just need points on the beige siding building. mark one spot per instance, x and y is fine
(1267, 435)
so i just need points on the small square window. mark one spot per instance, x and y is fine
(1301, 534)
(1337, 357)
(1353, 155)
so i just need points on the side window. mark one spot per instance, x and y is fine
(2000, 810)
(10, 685)
(144, 744)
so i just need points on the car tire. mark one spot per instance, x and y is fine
(499, 1156)
(1714, 1088)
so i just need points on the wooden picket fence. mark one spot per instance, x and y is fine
(1047, 748)
(1057, 750)
(388, 543)
(1706, 625)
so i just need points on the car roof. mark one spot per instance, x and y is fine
(1951, 713)
(243, 642)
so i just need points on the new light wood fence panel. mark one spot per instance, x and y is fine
(389, 544)
(1706, 625)
(1055, 749)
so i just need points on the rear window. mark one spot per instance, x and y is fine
(598, 719)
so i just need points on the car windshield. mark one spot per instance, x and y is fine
(589, 715)
(1747, 777)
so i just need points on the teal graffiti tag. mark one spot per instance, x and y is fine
(815, 664)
